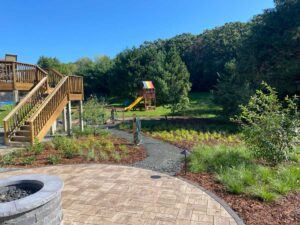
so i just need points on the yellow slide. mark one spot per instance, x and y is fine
(134, 103)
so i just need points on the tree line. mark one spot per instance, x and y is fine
(231, 60)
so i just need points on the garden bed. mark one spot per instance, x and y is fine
(186, 133)
(261, 193)
(82, 149)
(253, 212)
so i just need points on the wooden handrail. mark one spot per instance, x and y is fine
(18, 114)
(25, 100)
(38, 120)
(49, 97)
(54, 77)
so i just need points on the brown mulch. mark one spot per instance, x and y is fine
(134, 154)
(285, 211)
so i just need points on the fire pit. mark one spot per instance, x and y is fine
(31, 200)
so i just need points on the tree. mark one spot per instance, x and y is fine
(269, 127)
(175, 82)
(54, 63)
(210, 52)
(95, 73)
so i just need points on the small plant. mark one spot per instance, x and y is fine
(67, 146)
(103, 155)
(116, 156)
(28, 160)
(91, 155)
(54, 159)
(123, 148)
(7, 159)
(270, 127)
(36, 148)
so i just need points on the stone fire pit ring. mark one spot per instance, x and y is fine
(42, 207)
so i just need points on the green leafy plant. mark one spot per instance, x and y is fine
(239, 172)
(270, 127)
(67, 145)
(116, 156)
(91, 155)
(28, 160)
(54, 159)
(8, 159)
(36, 148)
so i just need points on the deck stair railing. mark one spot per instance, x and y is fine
(37, 111)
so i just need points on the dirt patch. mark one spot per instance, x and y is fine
(253, 212)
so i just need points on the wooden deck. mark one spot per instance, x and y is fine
(48, 93)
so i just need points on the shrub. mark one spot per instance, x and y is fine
(68, 147)
(53, 159)
(116, 156)
(28, 160)
(36, 148)
(269, 127)
(103, 155)
(91, 155)
(7, 159)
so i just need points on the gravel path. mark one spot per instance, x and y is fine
(162, 157)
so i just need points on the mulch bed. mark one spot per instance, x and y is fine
(253, 212)
(135, 154)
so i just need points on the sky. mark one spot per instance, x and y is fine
(73, 29)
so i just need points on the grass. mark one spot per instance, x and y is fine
(4, 110)
(240, 173)
(201, 106)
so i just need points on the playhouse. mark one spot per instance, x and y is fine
(147, 94)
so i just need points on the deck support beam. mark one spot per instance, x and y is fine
(53, 128)
(64, 120)
(69, 119)
(81, 115)
(16, 97)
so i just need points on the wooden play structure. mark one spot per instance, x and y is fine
(147, 93)
(46, 95)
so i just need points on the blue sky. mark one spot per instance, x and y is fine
(73, 29)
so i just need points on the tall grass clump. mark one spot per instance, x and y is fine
(239, 171)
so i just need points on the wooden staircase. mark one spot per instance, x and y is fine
(49, 92)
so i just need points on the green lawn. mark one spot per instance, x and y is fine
(4, 110)
(201, 106)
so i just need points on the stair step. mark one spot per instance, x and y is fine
(25, 127)
(19, 144)
(20, 138)
(23, 133)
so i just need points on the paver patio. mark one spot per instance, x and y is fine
(111, 194)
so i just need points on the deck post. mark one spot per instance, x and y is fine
(53, 128)
(15, 94)
(64, 120)
(69, 119)
(81, 115)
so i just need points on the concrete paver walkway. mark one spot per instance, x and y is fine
(109, 194)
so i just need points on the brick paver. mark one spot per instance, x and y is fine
(109, 194)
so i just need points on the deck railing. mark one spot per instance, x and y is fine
(17, 72)
(25, 106)
(49, 106)
(54, 77)
(76, 84)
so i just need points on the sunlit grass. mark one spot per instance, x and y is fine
(239, 172)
